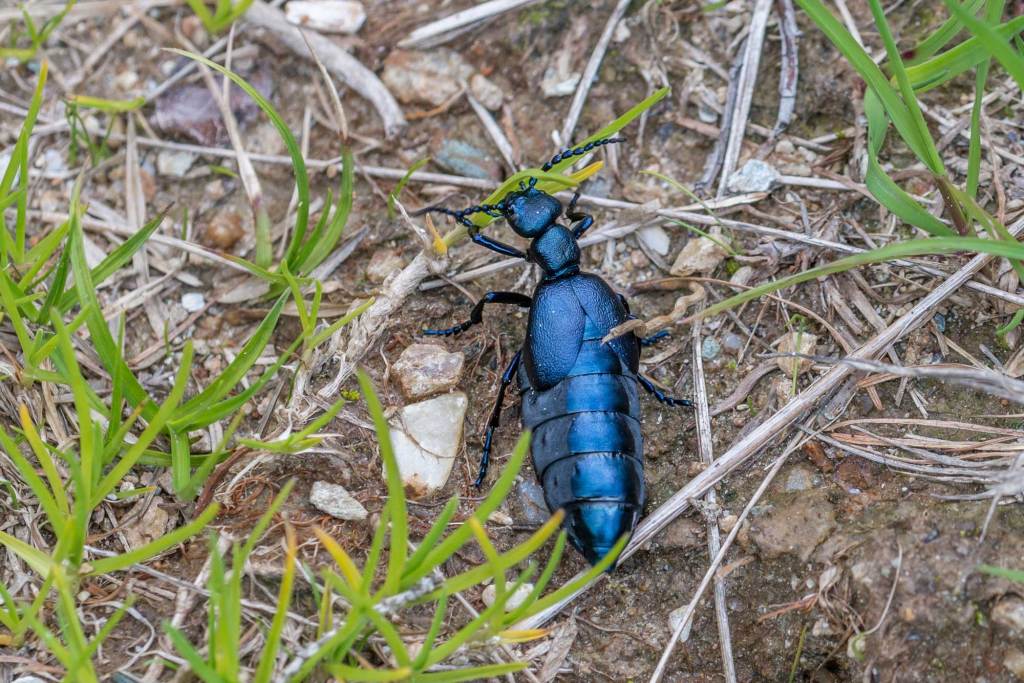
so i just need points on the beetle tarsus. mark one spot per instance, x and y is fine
(653, 339)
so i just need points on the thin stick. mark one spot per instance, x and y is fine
(590, 71)
(752, 443)
(705, 446)
(748, 78)
(494, 131)
(687, 616)
(789, 64)
(452, 22)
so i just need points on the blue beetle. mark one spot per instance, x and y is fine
(579, 395)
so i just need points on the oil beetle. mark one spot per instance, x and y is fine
(579, 395)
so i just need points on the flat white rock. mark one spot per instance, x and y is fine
(490, 596)
(174, 164)
(701, 255)
(336, 501)
(426, 437)
(655, 237)
(327, 16)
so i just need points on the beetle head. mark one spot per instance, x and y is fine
(529, 211)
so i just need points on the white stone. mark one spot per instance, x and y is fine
(796, 342)
(327, 16)
(490, 596)
(173, 163)
(336, 501)
(701, 255)
(755, 176)
(655, 238)
(1009, 612)
(192, 301)
(427, 369)
(426, 437)
(486, 92)
(429, 78)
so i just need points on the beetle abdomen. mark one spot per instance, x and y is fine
(587, 448)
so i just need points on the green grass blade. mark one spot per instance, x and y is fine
(155, 425)
(397, 191)
(921, 247)
(939, 38)
(1011, 574)
(396, 491)
(114, 261)
(992, 41)
(922, 143)
(238, 368)
(462, 534)
(294, 151)
(476, 673)
(320, 244)
(869, 71)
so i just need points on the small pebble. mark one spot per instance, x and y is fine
(464, 159)
(755, 176)
(490, 596)
(174, 164)
(327, 16)
(530, 499)
(710, 349)
(1009, 612)
(799, 479)
(655, 238)
(192, 301)
(701, 255)
(484, 90)
(426, 438)
(427, 369)
(336, 501)
(733, 343)
(429, 78)
(224, 230)
(940, 322)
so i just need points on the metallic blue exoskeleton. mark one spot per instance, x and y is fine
(579, 395)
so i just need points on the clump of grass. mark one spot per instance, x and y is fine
(392, 580)
(36, 36)
(48, 299)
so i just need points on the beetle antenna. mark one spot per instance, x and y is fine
(579, 151)
(492, 210)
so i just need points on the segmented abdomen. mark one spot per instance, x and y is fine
(587, 448)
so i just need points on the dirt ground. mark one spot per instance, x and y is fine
(848, 569)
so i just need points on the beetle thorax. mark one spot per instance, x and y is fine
(556, 252)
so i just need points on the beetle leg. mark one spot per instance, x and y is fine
(660, 395)
(653, 339)
(495, 245)
(477, 315)
(644, 341)
(492, 423)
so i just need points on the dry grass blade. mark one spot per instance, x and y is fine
(705, 447)
(453, 22)
(748, 79)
